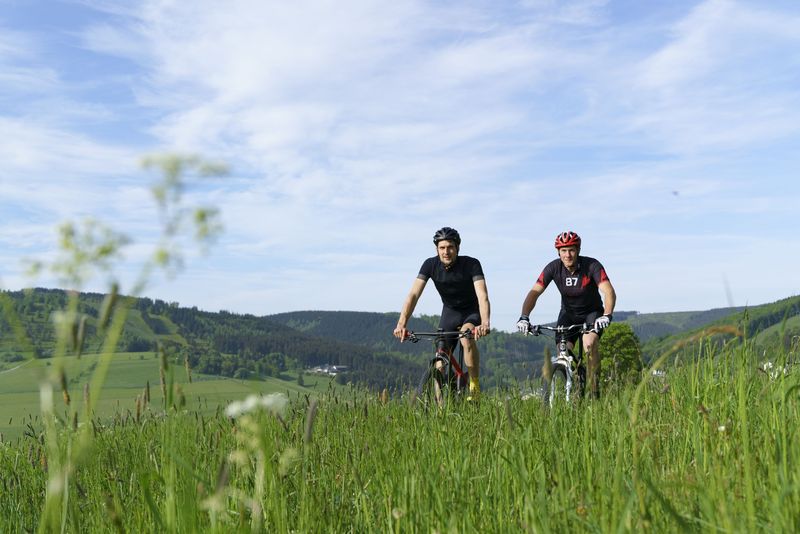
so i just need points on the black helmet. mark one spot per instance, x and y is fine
(447, 234)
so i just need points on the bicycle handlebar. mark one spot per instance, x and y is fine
(414, 336)
(535, 330)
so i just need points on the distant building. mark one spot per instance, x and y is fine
(328, 369)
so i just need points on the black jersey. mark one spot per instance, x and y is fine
(579, 293)
(456, 285)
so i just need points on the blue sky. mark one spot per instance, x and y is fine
(667, 134)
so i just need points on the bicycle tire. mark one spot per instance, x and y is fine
(426, 389)
(580, 379)
(555, 389)
(460, 384)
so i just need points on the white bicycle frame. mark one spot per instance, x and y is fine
(563, 360)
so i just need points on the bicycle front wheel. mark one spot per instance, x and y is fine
(581, 374)
(430, 391)
(555, 390)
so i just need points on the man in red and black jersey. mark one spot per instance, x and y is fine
(465, 299)
(580, 280)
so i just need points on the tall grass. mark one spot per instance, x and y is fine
(711, 447)
(86, 250)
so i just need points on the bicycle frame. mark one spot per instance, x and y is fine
(565, 361)
(447, 371)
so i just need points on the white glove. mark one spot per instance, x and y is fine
(602, 322)
(524, 324)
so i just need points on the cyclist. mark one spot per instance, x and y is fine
(465, 299)
(580, 280)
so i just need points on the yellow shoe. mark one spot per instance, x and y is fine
(474, 390)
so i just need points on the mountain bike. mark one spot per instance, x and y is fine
(446, 377)
(567, 369)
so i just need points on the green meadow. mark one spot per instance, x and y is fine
(128, 376)
(709, 447)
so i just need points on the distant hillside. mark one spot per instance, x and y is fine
(220, 343)
(247, 346)
(652, 325)
(505, 358)
(508, 357)
(362, 328)
(771, 327)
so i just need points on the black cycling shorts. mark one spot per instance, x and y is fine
(453, 319)
(565, 319)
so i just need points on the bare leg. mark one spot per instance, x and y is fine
(591, 342)
(472, 356)
(436, 389)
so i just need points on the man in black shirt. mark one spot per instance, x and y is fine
(580, 280)
(465, 299)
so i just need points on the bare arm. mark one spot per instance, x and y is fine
(531, 298)
(408, 307)
(483, 307)
(609, 297)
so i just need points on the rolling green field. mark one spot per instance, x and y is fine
(709, 447)
(128, 376)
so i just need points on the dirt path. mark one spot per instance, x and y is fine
(15, 368)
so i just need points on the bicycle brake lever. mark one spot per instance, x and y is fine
(411, 337)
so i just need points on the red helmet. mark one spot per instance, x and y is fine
(568, 239)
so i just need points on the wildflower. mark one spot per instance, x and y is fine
(287, 461)
(773, 371)
(274, 403)
(239, 457)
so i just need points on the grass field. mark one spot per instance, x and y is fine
(710, 447)
(128, 376)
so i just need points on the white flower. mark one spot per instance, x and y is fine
(234, 409)
(274, 403)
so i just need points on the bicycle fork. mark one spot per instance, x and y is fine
(565, 362)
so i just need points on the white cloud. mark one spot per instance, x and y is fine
(720, 82)
(355, 130)
(17, 76)
(112, 39)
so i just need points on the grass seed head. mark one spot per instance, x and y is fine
(62, 377)
(547, 365)
(287, 462)
(108, 306)
(311, 415)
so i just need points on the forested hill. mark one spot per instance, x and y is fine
(505, 358)
(369, 329)
(655, 325)
(241, 345)
(772, 327)
(220, 343)
(510, 355)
